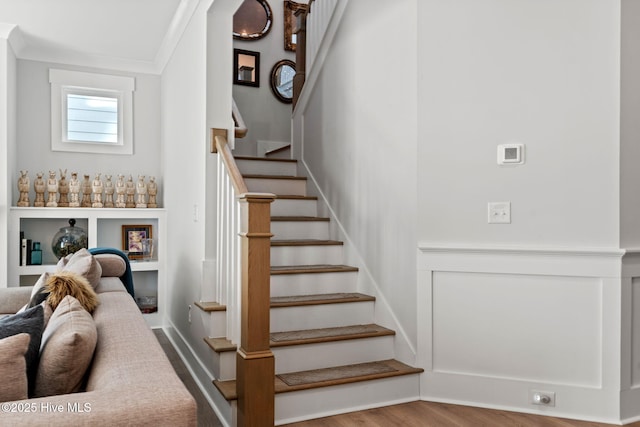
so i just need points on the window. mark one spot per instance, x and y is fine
(91, 113)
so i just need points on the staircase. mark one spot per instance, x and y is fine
(330, 356)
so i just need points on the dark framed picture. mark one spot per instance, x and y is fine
(135, 240)
(246, 67)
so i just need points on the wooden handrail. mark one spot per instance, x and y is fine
(220, 145)
(255, 363)
(240, 126)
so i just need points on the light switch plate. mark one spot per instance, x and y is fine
(499, 212)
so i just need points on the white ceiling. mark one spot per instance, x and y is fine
(133, 35)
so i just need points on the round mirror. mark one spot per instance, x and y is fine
(252, 20)
(282, 75)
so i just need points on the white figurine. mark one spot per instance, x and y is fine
(39, 185)
(23, 187)
(96, 187)
(108, 192)
(63, 189)
(74, 191)
(52, 189)
(141, 191)
(152, 189)
(86, 192)
(130, 187)
(120, 192)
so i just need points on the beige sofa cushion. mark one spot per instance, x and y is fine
(84, 264)
(112, 265)
(13, 367)
(68, 343)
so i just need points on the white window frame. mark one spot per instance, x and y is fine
(64, 82)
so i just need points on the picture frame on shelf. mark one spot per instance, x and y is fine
(133, 240)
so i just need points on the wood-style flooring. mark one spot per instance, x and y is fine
(429, 414)
(414, 414)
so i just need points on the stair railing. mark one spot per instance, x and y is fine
(243, 261)
(240, 126)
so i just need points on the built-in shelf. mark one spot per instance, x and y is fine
(104, 229)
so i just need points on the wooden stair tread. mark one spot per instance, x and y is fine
(306, 242)
(342, 333)
(293, 177)
(319, 299)
(303, 269)
(299, 218)
(209, 306)
(268, 159)
(295, 197)
(220, 345)
(329, 377)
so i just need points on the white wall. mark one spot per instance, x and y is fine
(543, 73)
(7, 133)
(266, 118)
(34, 130)
(358, 141)
(630, 126)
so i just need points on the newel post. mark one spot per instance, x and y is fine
(255, 363)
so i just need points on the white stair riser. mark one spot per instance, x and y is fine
(285, 230)
(306, 255)
(224, 365)
(280, 154)
(324, 401)
(291, 187)
(294, 207)
(311, 284)
(335, 353)
(321, 316)
(218, 324)
(266, 167)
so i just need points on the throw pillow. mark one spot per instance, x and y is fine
(30, 321)
(37, 293)
(66, 283)
(13, 367)
(67, 349)
(84, 264)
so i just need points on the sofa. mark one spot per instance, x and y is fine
(129, 382)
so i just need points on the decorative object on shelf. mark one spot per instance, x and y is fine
(120, 192)
(108, 192)
(252, 20)
(141, 191)
(74, 190)
(86, 192)
(39, 185)
(96, 188)
(152, 189)
(130, 187)
(282, 75)
(52, 190)
(147, 304)
(133, 237)
(63, 189)
(36, 254)
(246, 67)
(23, 188)
(69, 240)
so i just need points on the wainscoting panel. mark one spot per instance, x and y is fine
(497, 323)
(545, 329)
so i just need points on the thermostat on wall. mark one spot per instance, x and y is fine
(511, 154)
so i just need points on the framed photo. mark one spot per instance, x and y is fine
(134, 238)
(246, 67)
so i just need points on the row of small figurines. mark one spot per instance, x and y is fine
(63, 193)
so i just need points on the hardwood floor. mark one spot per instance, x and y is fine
(429, 414)
(414, 414)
